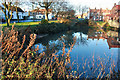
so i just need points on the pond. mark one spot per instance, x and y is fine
(90, 50)
(12, 21)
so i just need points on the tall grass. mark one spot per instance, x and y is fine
(27, 63)
(20, 63)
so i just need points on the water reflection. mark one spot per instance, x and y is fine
(111, 37)
(97, 45)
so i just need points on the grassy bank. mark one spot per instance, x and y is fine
(50, 27)
(26, 24)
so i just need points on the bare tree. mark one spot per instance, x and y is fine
(79, 8)
(16, 3)
(45, 4)
(62, 9)
(8, 10)
(82, 10)
(57, 6)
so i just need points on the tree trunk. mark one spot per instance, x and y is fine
(46, 14)
(6, 16)
(8, 22)
(17, 17)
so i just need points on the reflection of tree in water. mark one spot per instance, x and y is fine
(80, 40)
(83, 40)
(54, 42)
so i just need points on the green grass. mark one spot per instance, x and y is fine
(100, 22)
(26, 24)
(56, 21)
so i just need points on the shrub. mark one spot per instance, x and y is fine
(44, 21)
(51, 28)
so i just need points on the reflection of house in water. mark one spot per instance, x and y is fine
(111, 36)
(113, 43)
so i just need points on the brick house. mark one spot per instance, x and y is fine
(99, 14)
(115, 12)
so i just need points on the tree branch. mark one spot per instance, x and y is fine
(41, 5)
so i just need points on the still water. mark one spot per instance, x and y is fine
(12, 21)
(89, 50)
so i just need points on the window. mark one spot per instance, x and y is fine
(39, 16)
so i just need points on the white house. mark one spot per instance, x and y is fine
(21, 13)
(14, 15)
(50, 15)
(40, 13)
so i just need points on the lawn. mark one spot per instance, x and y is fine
(26, 24)
(100, 22)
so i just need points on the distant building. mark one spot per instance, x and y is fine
(70, 14)
(99, 14)
(40, 13)
(115, 12)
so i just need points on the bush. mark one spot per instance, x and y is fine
(44, 21)
(51, 28)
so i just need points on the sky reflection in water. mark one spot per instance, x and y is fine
(84, 49)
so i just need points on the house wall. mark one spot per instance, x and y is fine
(50, 16)
(115, 12)
(26, 14)
(98, 14)
(39, 17)
(14, 15)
